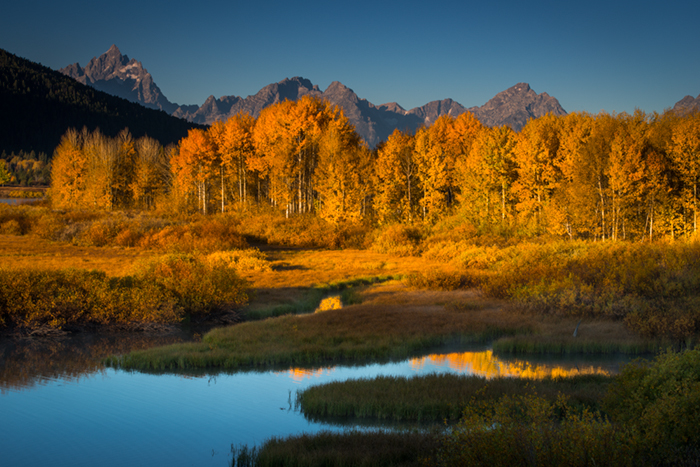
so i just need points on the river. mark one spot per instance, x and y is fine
(16, 201)
(59, 406)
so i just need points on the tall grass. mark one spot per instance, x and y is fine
(358, 333)
(437, 397)
(530, 430)
(312, 297)
(348, 449)
(534, 344)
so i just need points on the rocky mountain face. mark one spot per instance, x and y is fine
(39, 104)
(687, 105)
(215, 109)
(114, 73)
(515, 106)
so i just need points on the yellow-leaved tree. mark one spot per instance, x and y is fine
(396, 174)
(343, 172)
(195, 169)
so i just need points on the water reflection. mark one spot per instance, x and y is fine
(17, 201)
(488, 365)
(299, 374)
(329, 303)
(26, 362)
(57, 393)
(485, 363)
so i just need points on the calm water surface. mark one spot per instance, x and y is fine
(14, 201)
(60, 407)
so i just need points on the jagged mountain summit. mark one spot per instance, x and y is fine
(215, 109)
(115, 74)
(687, 105)
(39, 104)
(512, 107)
(515, 106)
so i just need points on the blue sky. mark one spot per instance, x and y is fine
(609, 55)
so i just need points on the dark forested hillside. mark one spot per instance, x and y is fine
(38, 105)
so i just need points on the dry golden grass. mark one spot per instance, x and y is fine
(304, 268)
(29, 251)
(293, 272)
(480, 314)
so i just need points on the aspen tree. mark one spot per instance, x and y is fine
(396, 178)
(685, 153)
(538, 170)
(342, 173)
(194, 168)
(68, 170)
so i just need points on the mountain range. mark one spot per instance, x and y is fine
(38, 105)
(687, 104)
(118, 75)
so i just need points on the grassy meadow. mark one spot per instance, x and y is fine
(404, 293)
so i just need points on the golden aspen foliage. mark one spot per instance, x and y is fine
(151, 179)
(310, 118)
(91, 170)
(342, 173)
(4, 173)
(234, 140)
(538, 171)
(435, 168)
(68, 170)
(685, 153)
(194, 168)
(273, 150)
(585, 152)
(486, 177)
(461, 135)
(396, 176)
(628, 152)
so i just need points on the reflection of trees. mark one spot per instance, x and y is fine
(298, 374)
(27, 362)
(482, 363)
(488, 365)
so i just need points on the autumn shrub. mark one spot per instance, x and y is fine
(162, 290)
(398, 239)
(306, 230)
(661, 401)
(100, 233)
(199, 234)
(48, 226)
(350, 235)
(198, 287)
(11, 227)
(250, 259)
(128, 237)
(530, 430)
(34, 298)
(15, 220)
(24, 194)
(442, 280)
(653, 287)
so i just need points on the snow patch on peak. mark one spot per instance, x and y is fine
(129, 66)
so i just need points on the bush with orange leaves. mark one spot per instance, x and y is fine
(162, 290)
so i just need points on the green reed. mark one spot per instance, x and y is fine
(437, 397)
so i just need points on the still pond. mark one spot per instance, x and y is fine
(60, 407)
